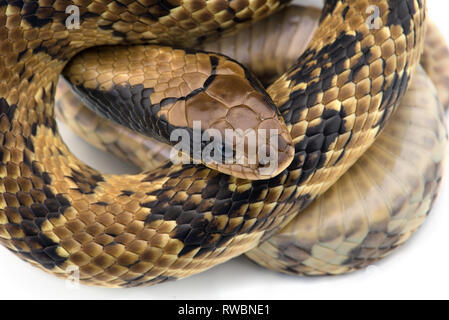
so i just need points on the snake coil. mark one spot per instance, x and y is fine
(178, 220)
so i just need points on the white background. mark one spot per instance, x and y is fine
(417, 270)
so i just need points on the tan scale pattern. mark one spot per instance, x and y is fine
(52, 204)
(391, 189)
(378, 204)
(32, 91)
(360, 99)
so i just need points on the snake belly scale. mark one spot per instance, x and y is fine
(175, 221)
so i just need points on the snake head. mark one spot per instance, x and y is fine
(207, 106)
(244, 134)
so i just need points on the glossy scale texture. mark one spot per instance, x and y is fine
(57, 213)
(399, 199)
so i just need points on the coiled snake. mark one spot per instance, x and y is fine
(179, 220)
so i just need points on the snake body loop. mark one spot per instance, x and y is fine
(175, 221)
(343, 230)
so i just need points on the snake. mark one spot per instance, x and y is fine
(179, 220)
(258, 48)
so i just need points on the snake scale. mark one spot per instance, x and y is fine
(179, 220)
